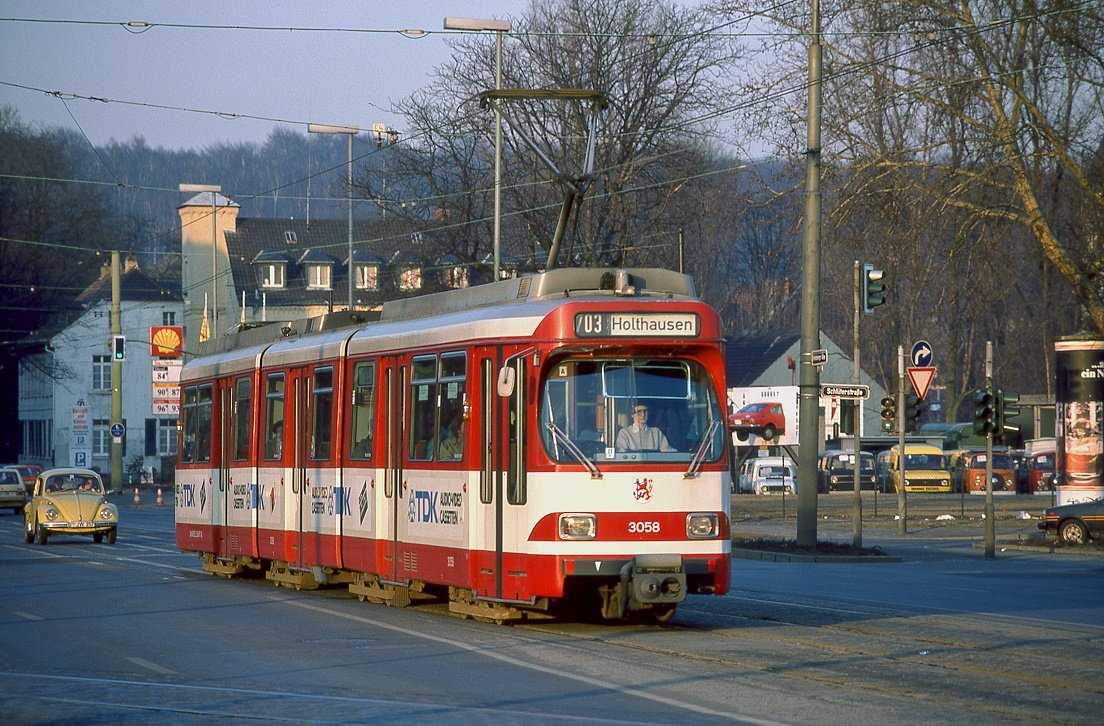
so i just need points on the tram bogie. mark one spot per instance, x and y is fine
(517, 449)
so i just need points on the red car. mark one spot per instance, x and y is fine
(28, 471)
(765, 419)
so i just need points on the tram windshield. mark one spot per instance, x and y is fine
(630, 410)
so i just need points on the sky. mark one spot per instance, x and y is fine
(202, 58)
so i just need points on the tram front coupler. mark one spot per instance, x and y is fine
(651, 581)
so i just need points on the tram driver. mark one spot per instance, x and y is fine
(639, 436)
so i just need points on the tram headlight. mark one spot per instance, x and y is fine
(578, 526)
(702, 525)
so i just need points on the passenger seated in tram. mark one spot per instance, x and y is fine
(452, 447)
(275, 444)
(639, 436)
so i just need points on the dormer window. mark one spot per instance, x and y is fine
(410, 278)
(456, 277)
(273, 274)
(319, 276)
(290, 237)
(367, 277)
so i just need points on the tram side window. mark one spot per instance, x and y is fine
(274, 416)
(196, 424)
(243, 418)
(450, 437)
(362, 411)
(322, 416)
(423, 408)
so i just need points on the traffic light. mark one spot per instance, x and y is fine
(873, 289)
(118, 348)
(1006, 409)
(985, 412)
(848, 414)
(914, 406)
(889, 414)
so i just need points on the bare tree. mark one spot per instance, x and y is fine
(659, 70)
(960, 138)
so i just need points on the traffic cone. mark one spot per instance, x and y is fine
(160, 501)
(137, 498)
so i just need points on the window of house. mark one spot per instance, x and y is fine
(166, 437)
(168, 318)
(318, 277)
(272, 275)
(410, 278)
(101, 373)
(367, 277)
(456, 277)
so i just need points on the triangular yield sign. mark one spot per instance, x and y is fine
(921, 377)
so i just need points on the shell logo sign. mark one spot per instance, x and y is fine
(166, 341)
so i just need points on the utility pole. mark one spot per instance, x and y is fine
(902, 499)
(856, 502)
(809, 378)
(990, 525)
(116, 382)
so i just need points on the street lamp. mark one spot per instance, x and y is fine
(498, 27)
(213, 190)
(349, 131)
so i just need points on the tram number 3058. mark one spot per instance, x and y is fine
(644, 527)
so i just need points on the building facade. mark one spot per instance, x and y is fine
(65, 382)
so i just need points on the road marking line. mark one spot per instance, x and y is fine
(26, 615)
(152, 666)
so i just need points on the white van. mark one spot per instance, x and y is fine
(768, 475)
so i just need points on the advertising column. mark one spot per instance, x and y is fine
(1079, 424)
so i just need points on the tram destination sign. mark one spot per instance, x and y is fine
(845, 390)
(636, 325)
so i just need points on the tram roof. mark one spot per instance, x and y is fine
(440, 316)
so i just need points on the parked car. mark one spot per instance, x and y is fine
(768, 474)
(925, 469)
(12, 493)
(1075, 523)
(70, 501)
(836, 471)
(765, 419)
(968, 472)
(1040, 470)
(27, 471)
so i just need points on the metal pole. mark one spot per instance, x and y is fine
(990, 529)
(349, 204)
(498, 161)
(902, 500)
(214, 265)
(856, 502)
(116, 377)
(809, 379)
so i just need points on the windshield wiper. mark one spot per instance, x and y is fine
(698, 458)
(574, 450)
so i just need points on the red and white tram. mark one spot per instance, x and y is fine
(464, 445)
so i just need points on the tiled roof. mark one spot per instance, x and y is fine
(298, 243)
(134, 285)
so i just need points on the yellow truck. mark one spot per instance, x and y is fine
(925, 469)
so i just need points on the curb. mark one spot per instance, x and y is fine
(769, 556)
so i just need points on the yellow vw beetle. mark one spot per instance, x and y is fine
(69, 501)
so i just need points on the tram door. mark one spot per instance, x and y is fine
(296, 425)
(502, 471)
(394, 417)
(220, 466)
(313, 476)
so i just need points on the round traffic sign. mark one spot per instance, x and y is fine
(117, 430)
(921, 354)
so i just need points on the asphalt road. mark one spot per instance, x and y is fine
(137, 633)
